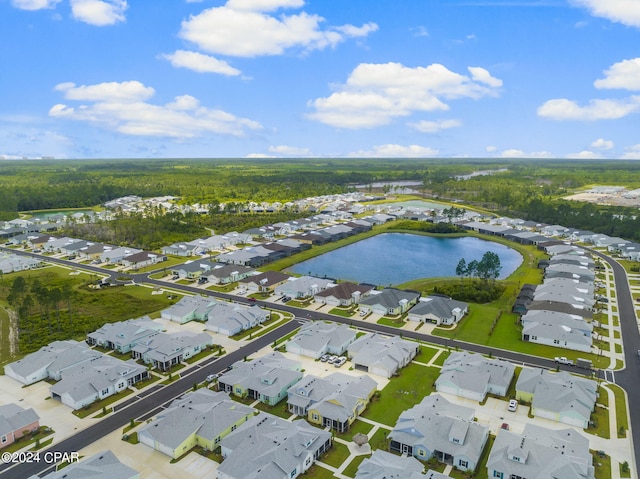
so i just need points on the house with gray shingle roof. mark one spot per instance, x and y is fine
(558, 396)
(268, 447)
(343, 294)
(104, 465)
(384, 465)
(50, 361)
(123, 335)
(438, 310)
(232, 318)
(193, 269)
(334, 401)
(557, 329)
(316, 338)
(163, 350)
(189, 308)
(15, 421)
(225, 274)
(426, 432)
(264, 282)
(473, 376)
(97, 379)
(267, 378)
(200, 418)
(541, 453)
(303, 287)
(389, 301)
(381, 355)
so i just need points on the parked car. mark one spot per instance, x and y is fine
(513, 405)
(563, 360)
(340, 361)
(324, 358)
(504, 426)
(332, 359)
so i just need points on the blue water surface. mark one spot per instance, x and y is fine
(395, 258)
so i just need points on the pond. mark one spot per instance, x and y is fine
(47, 213)
(395, 258)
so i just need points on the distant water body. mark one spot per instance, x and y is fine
(395, 258)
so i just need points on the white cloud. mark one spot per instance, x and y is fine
(491, 149)
(259, 155)
(395, 151)
(375, 94)
(623, 75)
(563, 109)
(632, 153)
(419, 31)
(99, 12)
(243, 28)
(200, 63)
(34, 4)
(290, 150)
(515, 153)
(626, 12)
(425, 126)
(602, 144)
(481, 75)
(122, 107)
(585, 155)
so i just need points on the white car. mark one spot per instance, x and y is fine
(513, 405)
(324, 358)
(340, 361)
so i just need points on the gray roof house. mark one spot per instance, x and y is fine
(568, 270)
(15, 421)
(11, 263)
(304, 286)
(123, 335)
(343, 294)
(384, 465)
(163, 350)
(541, 453)
(104, 465)
(558, 396)
(226, 274)
(320, 337)
(232, 318)
(334, 401)
(267, 378)
(473, 376)
(381, 355)
(557, 329)
(264, 282)
(97, 379)
(389, 301)
(189, 308)
(116, 255)
(426, 431)
(50, 361)
(570, 287)
(200, 418)
(268, 447)
(193, 269)
(438, 310)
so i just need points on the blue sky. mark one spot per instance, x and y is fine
(294, 78)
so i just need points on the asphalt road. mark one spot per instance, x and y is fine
(149, 405)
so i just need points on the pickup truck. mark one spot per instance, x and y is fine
(563, 360)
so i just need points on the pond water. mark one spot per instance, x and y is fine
(47, 213)
(395, 258)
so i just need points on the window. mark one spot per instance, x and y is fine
(104, 391)
(497, 474)
(555, 341)
(233, 428)
(294, 472)
(534, 338)
(463, 464)
(421, 452)
(315, 417)
(4, 439)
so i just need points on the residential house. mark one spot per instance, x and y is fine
(193, 269)
(116, 255)
(232, 318)
(317, 338)
(389, 301)
(12, 263)
(104, 465)
(200, 418)
(15, 422)
(264, 282)
(557, 329)
(50, 361)
(164, 350)
(189, 308)
(343, 294)
(473, 376)
(124, 335)
(558, 396)
(97, 379)
(540, 452)
(182, 249)
(574, 310)
(438, 310)
(303, 287)
(571, 271)
(267, 378)
(268, 447)
(448, 435)
(142, 259)
(384, 465)
(225, 274)
(335, 401)
(381, 355)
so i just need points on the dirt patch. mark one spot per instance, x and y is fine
(13, 332)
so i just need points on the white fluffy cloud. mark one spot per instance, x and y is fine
(585, 155)
(491, 149)
(99, 12)
(626, 12)
(34, 4)
(602, 144)
(515, 153)
(245, 28)
(425, 126)
(122, 107)
(623, 75)
(375, 94)
(289, 150)
(632, 153)
(200, 63)
(563, 109)
(395, 151)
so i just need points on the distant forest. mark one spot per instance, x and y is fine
(529, 189)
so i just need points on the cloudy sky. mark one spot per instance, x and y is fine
(312, 78)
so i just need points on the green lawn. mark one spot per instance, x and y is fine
(379, 439)
(622, 424)
(403, 392)
(602, 465)
(318, 472)
(336, 455)
(357, 427)
(394, 323)
(352, 468)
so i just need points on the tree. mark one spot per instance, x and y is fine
(461, 269)
(489, 266)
